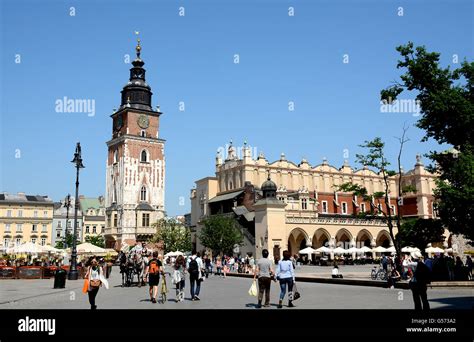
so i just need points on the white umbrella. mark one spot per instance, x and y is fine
(407, 249)
(379, 249)
(27, 247)
(323, 249)
(176, 253)
(391, 249)
(89, 248)
(353, 250)
(434, 250)
(49, 249)
(340, 250)
(365, 249)
(307, 250)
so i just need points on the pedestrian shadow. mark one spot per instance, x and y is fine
(466, 303)
(131, 285)
(253, 305)
(145, 300)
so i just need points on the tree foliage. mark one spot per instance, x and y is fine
(173, 235)
(375, 158)
(96, 240)
(220, 233)
(66, 241)
(420, 232)
(446, 99)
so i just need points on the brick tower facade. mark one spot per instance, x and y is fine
(135, 175)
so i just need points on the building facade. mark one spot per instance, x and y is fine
(25, 218)
(63, 221)
(93, 214)
(135, 172)
(307, 209)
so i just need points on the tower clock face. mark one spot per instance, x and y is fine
(143, 121)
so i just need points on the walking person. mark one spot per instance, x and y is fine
(226, 270)
(418, 285)
(208, 265)
(393, 277)
(179, 277)
(459, 270)
(218, 266)
(195, 267)
(264, 272)
(286, 275)
(469, 267)
(153, 270)
(95, 279)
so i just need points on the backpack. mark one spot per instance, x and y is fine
(193, 267)
(154, 269)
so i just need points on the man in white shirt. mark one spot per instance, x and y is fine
(195, 267)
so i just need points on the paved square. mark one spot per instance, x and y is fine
(219, 293)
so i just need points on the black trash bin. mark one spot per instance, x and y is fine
(60, 279)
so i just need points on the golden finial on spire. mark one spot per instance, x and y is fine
(138, 48)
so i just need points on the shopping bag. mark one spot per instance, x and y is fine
(253, 289)
(85, 287)
(296, 294)
(176, 277)
(104, 281)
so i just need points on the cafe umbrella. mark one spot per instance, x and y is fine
(307, 250)
(340, 250)
(365, 249)
(323, 249)
(88, 248)
(25, 248)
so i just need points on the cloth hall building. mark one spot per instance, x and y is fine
(283, 205)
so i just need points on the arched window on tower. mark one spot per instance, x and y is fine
(115, 156)
(143, 194)
(144, 157)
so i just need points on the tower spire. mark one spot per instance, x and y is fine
(138, 48)
(137, 93)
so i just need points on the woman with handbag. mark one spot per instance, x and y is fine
(95, 278)
(286, 275)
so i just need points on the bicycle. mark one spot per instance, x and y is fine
(378, 274)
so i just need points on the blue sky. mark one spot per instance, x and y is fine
(191, 59)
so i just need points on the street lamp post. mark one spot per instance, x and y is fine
(73, 274)
(67, 205)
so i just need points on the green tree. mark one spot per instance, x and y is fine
(420, 232)
(96, 240)
(66, 241)
(173, 234)
(446, 99)
(376, 159)
(220, 233)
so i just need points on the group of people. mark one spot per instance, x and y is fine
(284, 274)
(193, 266)
(42, 262)
(421, 272)
(222, 265)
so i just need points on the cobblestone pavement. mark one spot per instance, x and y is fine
(219, 293)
